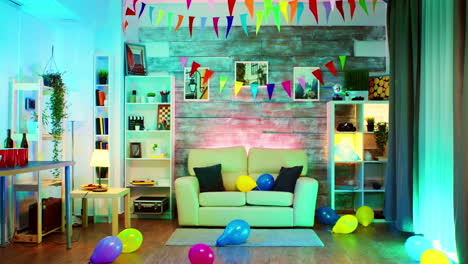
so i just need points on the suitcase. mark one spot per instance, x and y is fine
(150, 205)
(51, 215)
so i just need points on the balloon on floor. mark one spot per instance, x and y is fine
(365, 215)
(415, 246)
(107, 250)
(235, 233)
(131, 240)
(201, 254)
(432, 256)
(265, 182)
(327, 216)
(345, 225)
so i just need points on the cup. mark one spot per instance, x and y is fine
(142, 99)
(137, 128)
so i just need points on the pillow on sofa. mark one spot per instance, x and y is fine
(286, 180)
(210, 178)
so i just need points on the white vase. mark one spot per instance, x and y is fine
(151, 100)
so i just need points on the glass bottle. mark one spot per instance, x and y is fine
(9, 140)
(24, 141)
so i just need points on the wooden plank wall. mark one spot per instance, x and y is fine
(228, 120)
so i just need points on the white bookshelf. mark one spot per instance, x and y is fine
(354, 183)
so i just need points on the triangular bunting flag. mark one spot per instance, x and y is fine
(254, 88)
(352, 7)
(277, 17)
(215, 25)
(169, 21)
(331, 66)
(271, 89)
(125, 25)
(302, 82)
(195, 67)
(129, 12)
(183, 62)
(188, 4)
(250, 6)
(268, 4)
(287, 87)
(222, 82)
(259, 20)
(293, 7)
(332, 4)
(363, 5)
(373, 5)
(243, 18)
(211, 4)
(318, 74)
(284, 10)
(151, 9)
(179, 23)
(191, 18)
(134, 4)
(342, 61)
(143, 5)
(160, 15)
(313, 9)
(202, 24)
(300, 10)
(207, 76)
(238, 87)
(229, 22)
(327, 9)
(231, 4)
(339, 6)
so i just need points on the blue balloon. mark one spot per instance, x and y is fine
(327, 216)
(265, 182)
(415, 247)
(107, 250)
(235, 233)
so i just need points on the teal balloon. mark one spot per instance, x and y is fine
(416, 245)
(235, 233)
(265, 182)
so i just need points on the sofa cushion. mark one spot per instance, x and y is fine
(270, 198)
(265, 160)
(286, 180)
(210, 178)
(226, 199)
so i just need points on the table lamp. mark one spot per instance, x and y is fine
(99, 159)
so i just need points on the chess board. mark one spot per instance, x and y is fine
(164, 113)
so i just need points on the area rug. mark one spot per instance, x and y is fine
(257, 238)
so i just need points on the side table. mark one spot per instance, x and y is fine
(112, 193)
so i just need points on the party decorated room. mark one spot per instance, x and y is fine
(234, 131)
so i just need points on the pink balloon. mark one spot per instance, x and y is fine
(201, 254)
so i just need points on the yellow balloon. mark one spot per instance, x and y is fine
(365, 215)
(245, 184)
(432, 256)
(131, 240)
(345, 225)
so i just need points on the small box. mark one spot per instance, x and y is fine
(151, 205)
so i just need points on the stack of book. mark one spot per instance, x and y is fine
(102, 145)
(102, 126)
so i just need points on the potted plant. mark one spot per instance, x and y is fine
(52, 77)
(381, 137)
(102, 76)
(370, 124)
(151, 98)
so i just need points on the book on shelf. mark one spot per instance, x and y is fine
(101, 145)
(100, 97)
(102, 126)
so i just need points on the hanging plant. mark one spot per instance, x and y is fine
(381, 136)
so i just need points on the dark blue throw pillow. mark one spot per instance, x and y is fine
(210, 178)
(286, 180)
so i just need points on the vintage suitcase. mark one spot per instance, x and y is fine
(51, 215)
(150, 205)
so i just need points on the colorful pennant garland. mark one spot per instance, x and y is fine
(222, 82)
(134, 4)
(211, 4)
(339, 6)
(300, 10)
(191, 18)
(352, 7)
(231, 4)
(287, 87)
(179, 22)
(373, 5)
(143, 5)
(160, 15)
(332, 4)
(277, 17)
(268, 4)
(188, 4)
(327, 9)
(125, 25)
(271, 89)
(259, 20)
(342, 61)
(313, 9)
(284, 10)
(363, 5)
(194, 68)
(331, 66)
(229, 22)
(215, 25)
(202, 25)
(151, 9)
(243, 18)
(250, 6)
(254, 88)
(183, 62)
(238, 87)
(318, 74)
(129, 12)
(207, 76)
(169, 21)
(293, 8)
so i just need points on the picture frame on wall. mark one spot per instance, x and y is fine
(135, 59)
(251, 72)
(311, 91)
(195, 86)
(135, 150)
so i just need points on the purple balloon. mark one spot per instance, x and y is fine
(201, 254)
(107, 250)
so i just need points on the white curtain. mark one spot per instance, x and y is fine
(433, 189)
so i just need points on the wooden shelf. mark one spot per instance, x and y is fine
(159, 103)
(148, 159)
(148, 131)
(33, 187)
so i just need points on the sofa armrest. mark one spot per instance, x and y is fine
(305, 198)
(187, 190)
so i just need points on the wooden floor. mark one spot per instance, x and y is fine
(376, 244)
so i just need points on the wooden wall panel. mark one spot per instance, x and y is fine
(228, 120)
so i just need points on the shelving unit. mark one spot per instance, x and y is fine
(354, 181)
(146, 168)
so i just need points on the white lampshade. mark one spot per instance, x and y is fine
(100, 158)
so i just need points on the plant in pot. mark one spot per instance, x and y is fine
(370, 124)
(102, 76)
(51, 77)
(151, 98)
(381, 137)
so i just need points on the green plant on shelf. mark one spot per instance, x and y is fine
(151, 95)
(155, 146)
(102, 76)
(381, 136)
(370, 123)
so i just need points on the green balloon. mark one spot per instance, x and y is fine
(131, 240)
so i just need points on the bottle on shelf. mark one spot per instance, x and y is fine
(9, 141)
(24, 141)
(133, 97)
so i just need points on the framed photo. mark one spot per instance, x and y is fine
(311, 91)
(135, 150)
(195, 86)
(164, 117)
(252, 72)
(379, 87)
(135, 59)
